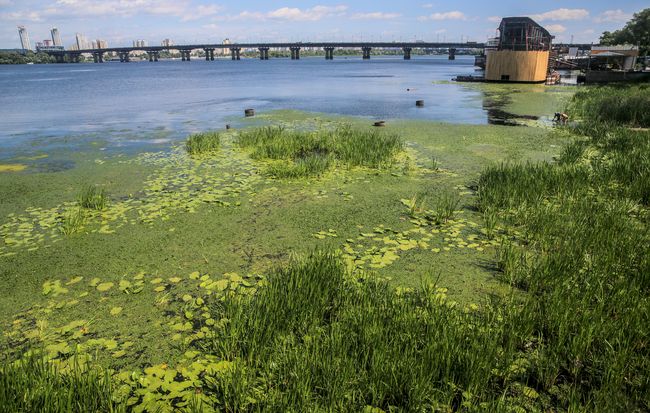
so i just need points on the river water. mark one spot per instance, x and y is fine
(143, 104)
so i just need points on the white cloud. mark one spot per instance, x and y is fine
(376, 16)
(562, 14)
(22, 16)
(201, 12)
(428, 6)
(618, 16)
(450, 15)
(555, 28)
(292, 14)
(494, 19)
(313, 14)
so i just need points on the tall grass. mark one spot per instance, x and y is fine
(315, 339)
(34, 385)
(73, 221)
(203, 143)
(92, 197)
(583, 258)
(614, 104)
(309, 153)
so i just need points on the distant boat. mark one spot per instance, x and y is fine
(30, 63)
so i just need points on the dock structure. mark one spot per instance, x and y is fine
(522, 52)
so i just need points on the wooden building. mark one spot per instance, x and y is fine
(522, 53)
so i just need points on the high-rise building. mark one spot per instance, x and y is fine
(101, 44)
(82, 42)
(225, 50)
(139, 43)
(167, 43)
(47, 43)
(24, 38)
(56, 37)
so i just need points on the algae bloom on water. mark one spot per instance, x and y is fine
(12, 167)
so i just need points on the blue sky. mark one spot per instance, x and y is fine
(188, 21)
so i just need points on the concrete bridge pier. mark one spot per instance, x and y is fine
(235, 53)
(407, 53)
(264, 53)
(329, 53)
(366, 52)
(98, 57)
(185, 55)
(209, 54)
(74, 57)
(295, 53)
(452, 53)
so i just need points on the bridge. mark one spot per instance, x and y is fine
(153, 52)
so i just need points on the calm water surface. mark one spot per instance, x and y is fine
(143, 104)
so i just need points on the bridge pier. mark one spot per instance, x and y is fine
(235, 53)
(329, 53)
(452, 53)
(185, 55)
(264, 53)
(209, 54)
(295, 52)
(366, 52)
(407, 53)
(98, 57)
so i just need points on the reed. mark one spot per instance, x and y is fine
(32, 384)
(92, 197)
(203, 143)
(73, 221)
(311, 153)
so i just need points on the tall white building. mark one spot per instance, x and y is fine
(24, 38)
(82, 42)
(167, 43)
(56, 37)
(139, 43)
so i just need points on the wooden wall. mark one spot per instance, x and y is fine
(521, 66)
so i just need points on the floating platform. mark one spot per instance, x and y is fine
(469, 78)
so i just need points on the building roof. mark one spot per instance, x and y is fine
(523, 20)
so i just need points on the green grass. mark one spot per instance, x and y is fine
(311, 153)
(551, 321)
(614, 104)
(73, 221)
(315, 338)
(92, 197)
(203, 143)
(32, 384)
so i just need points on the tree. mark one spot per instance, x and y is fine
(636, 31)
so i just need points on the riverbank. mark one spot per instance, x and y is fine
(160, 284)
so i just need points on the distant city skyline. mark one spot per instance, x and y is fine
(121, 22)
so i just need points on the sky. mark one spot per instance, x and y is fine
(203, 21)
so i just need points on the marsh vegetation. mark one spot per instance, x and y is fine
(297, 154)
(567, 239)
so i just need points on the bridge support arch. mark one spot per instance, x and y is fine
(235, 53)
(407, 53)
(264, 53)
(295, 52)
(366, 52)
(329, 53)
(98, 57)
(452, 53)
(209, 54)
